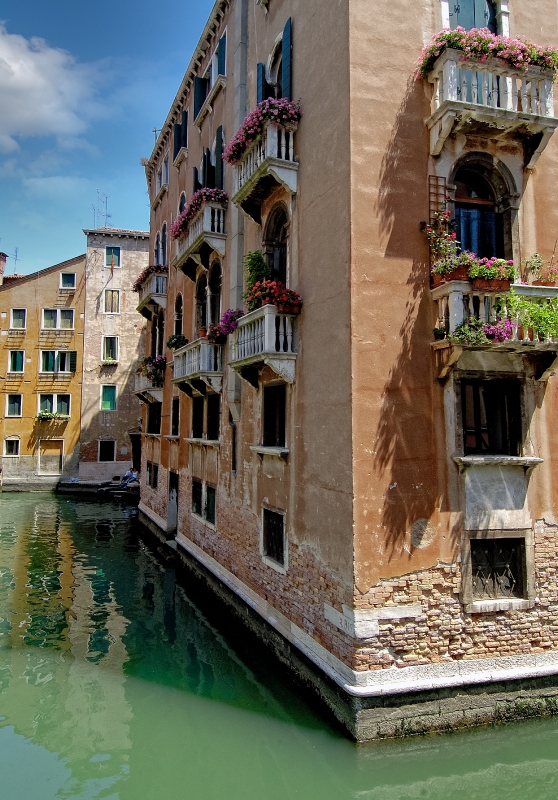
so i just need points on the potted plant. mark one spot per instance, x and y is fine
(176, 340)
(492, 274)
(452, 267)
(215, 334)
(539, 271)
(439, 334)
(202, 332)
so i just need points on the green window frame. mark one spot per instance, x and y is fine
(16, 360)
(108, 397)
(14, 405)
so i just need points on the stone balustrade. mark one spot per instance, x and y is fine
(208, 226)
(147, 391)
(199, 361)
(265, 336)
(153, 291)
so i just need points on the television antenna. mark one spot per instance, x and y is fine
(101, 210)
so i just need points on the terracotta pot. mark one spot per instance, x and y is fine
(459, 274)
(544, 283)
(491, 285)
(288, 308)
(202, 333)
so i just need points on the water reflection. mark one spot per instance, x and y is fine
(114, 685)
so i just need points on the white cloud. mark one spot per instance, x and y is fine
(43, 91)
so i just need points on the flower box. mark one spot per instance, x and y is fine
(459, 274)
(491, 285)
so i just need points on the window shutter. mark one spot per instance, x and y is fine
(209, 171)
(261, 83)
(73, 360)
(222, 56)
(184, 129)
(219, 158)
(287, 57)
(200, 93)
(197, 184)
(177, 139)
(19, 361)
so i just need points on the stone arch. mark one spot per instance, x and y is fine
(275, 241)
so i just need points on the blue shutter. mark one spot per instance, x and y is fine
(200, 93)
(261, 83)
(219, 158)
(222, 56)
(184, 128)
(177, 139)
(287, 59)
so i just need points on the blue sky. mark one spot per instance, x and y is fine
(82, 85)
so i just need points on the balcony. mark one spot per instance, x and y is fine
(197, 366)
(147, 390)
(264, 336)
(268, 163)
(152, 293)
(458, 301)
(207, 229)
(490, 99)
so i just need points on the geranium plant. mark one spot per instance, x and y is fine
(181, 224)
(452, 262)
(153, 269)
(492, 269)
(215, 334)
(176, 340)
(480, 44)
(274, 293)
(540, 270)
(152, 368)
(441, 236)
(283, 112)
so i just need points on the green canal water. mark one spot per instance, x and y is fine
(114, 685)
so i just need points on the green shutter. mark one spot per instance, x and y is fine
(49, 360)
(222, 56)
(177, 139)
(73, 360)
(197, 184)
(261, 83)
(200, 93)
(184, 128)
(287, 57)
(16, 359)
(108, 398)
(219, 166)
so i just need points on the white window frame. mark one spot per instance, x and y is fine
(113, 247)
(12, 439)
(10, 370)
(54, 371)
(99, 451)
(104, 301)
(58, 318)
(14, 416)
(165, 170)
(103, 339)
(107, 410)
(68, 273)
(12, 319)
(54, 401)
(269, 562)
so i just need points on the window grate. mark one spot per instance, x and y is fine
(274, 536)
(498, 568)
(437, 192)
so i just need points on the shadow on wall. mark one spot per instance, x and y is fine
(411, 417)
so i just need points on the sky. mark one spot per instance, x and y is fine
(82, 86)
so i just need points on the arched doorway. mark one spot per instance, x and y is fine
(275, 243)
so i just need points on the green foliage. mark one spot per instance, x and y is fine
(541, 317)
(256, 269)
(176, 340)
(471, 331)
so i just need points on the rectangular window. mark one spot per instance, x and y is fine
(58, 319)
(48, 361)
(67, 318)
(491, 417)
(213, 414)
(46, 403)
(108, 398)
(152, 475)
(11, 447)
(50, 317)
(197, 495)
(498, 568)
(210, 504)
(274, 410)
(112, 301)
(68, 280)
(112, 257)
(107, 450)
(110, 348)
(274, 536)
(16, 360)
(154, 413)
(18, 319)
(175, 417)
(13, 405)
(166, 170)
(63, 404)
(197, 417)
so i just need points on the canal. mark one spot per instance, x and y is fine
(114, 685)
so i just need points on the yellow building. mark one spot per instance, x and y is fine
(41, 346)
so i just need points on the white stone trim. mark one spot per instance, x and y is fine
(153, 516)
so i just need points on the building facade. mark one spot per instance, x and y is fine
(110, 410)
(383, 496)
(41, 345)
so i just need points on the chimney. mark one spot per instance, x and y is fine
(3, 257)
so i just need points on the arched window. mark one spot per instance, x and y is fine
(164, 245)
(157, 253)
(215, 293)
(160, 333)
(276, 74)
(201, 302)
(154, 321)
(182, 203)
(470, 14)
(479, 226)
(178, 315)
(275, 243)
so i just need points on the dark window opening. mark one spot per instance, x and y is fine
(160, 333)
(201, 303)
(275, 246)
(154, 412)
(491, 417)
(479, 227)
(157, 252)
(215, 293)
(164, 245)
(274, 411)
(232, 423)
(498, 568)
(210, 504)
(175, 417)
(197, 497)
(152, 475)
(197, 417)
(213, 414)
(274, 536)
(178, 316)
(107, 450)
